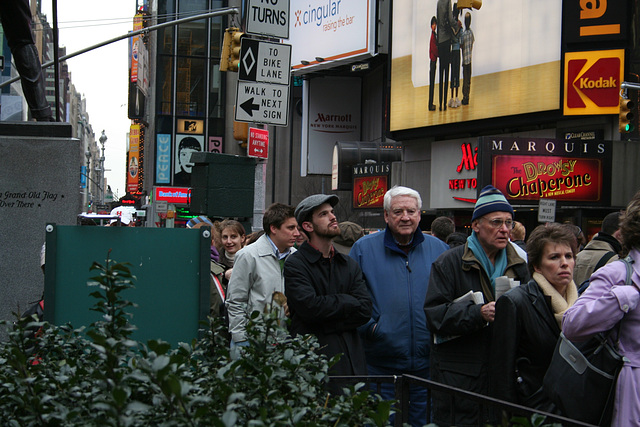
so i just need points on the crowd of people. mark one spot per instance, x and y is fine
(432, 304)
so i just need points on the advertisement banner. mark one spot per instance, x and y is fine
(368, 192)
(163, 159)
(333, 114)
(324, 32)
(454, 176)
(592, 82)
(133, 160)
(587, 22)
(529, 169)
(134, 47)
(512, 57)
(185, 146)
(548, 177)
(174, 195)
(370, 183)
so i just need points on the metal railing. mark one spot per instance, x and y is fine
(402, 385)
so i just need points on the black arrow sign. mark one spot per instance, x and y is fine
(248, 106)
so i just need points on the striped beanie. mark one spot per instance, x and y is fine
(197, 219)
(490, 200)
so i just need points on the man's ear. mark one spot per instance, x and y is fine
(307, 226)
(273, 229)
(474, 225)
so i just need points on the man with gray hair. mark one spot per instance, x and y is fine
(601, 250)
(396, 264)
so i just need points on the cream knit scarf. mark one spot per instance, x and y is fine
(558, 303)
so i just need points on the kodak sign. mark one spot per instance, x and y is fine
(592, 82)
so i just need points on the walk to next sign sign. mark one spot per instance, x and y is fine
(262, 103)
(270, 17)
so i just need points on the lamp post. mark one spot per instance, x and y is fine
(103, 139)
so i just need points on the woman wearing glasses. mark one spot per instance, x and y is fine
(528, 318)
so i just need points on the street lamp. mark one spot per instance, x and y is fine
(103, 139)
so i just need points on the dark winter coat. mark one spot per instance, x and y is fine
(525, 333)
(328, 297)
(462, 361)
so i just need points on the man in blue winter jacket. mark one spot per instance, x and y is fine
(396, 264)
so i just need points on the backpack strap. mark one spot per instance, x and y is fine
(604, 259)
(627, 262)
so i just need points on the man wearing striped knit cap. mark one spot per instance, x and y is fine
(462, 326)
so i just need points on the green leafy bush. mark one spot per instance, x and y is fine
(100, 376)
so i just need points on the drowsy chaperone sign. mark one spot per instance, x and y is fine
(530, 169)
(370, 183)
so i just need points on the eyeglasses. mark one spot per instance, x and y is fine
(499, 222)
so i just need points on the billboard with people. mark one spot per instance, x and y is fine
(478, 61)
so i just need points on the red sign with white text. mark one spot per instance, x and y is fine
(553, 177)
(175, 195)
(258, 143)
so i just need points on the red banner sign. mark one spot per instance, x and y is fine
(368, 191)
(560, 178)
(175, 195)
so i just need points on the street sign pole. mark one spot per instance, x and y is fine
(262, 94)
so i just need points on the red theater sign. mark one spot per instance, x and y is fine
(548, 177)
(573, 172)
(592, 81)
(370, 183)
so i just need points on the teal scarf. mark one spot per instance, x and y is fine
(492, 270)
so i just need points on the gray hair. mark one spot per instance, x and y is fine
(396, 191)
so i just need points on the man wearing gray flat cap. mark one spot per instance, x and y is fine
(325, 290)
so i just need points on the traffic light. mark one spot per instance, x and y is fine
(627, 118)
(230, 58)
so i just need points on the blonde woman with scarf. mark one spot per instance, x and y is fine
(529, 317)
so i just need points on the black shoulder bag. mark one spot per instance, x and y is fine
(581, 378)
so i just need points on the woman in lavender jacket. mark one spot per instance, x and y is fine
(607, 301)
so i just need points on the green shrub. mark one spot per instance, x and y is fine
(70, 377)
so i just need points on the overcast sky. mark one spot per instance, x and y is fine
(100, 75)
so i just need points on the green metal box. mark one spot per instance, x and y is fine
(222, 185)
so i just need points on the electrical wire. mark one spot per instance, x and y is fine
(94, 23)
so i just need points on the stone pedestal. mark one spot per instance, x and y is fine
(39, 183)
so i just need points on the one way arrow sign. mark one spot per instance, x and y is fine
(249, 107)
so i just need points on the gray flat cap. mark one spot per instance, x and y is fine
(306, 207)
